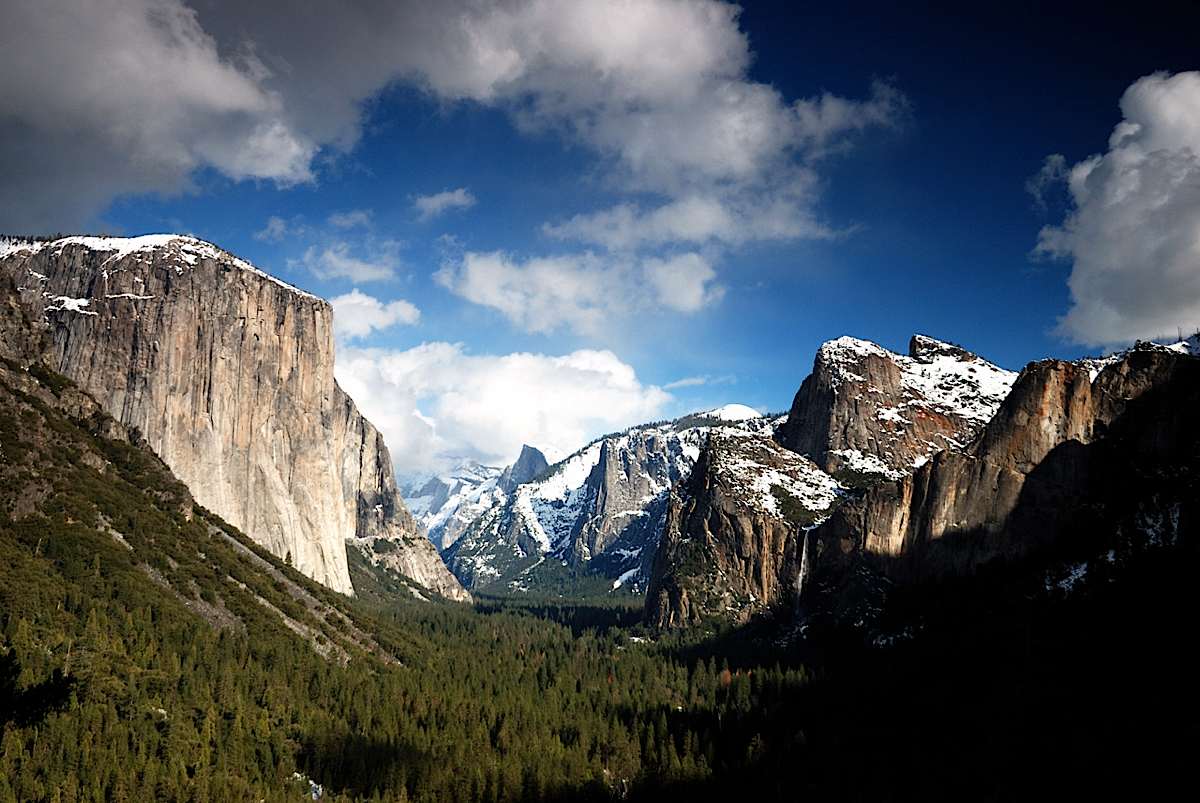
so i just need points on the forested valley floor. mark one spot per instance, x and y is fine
(146, 654)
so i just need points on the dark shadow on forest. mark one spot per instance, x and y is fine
(578, 615)
(31, 704)
(1003, 690)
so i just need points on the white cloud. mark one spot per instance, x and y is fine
(582, 292)
(351, 219)
(1133, 231)
(658, 89)
(436, 402)
(686, 382)
(430, 206)
(275, 230)
(356, 314)
(135, 105)
(683, 283)
(697, 220)
(334, 261)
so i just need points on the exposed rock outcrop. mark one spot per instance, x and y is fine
(734, 540)
(867, 412)
(531, 464)
(1065, 455)
(228, 374)
(863, 416)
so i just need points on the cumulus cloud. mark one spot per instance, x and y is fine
(659, 89)
(1133, 229)
(437, 402)
(351, 219)
(581, 292)
(335, 261)
(356, 314)
(135, 105)
(430, 206)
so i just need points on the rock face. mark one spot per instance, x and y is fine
(599, 511)
(1065, 455)
(531, 463)
(866, 412)
(735, 535)
(863, 416)
(228, 374)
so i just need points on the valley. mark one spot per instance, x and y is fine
(719, 603)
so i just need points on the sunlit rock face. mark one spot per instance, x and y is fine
(866, 412)
(736, 538)
(228, 374)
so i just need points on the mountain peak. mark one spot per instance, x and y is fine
(924, 348)
(733, 412)
(529, 465)
(181, 249)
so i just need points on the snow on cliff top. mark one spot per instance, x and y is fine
(187, 249)
(941, 376)
(1189, 346)
(733, 412)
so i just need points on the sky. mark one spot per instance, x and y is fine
(539, 221)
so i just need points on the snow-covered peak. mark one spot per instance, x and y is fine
(733, 412)
(853, 347)
(183, 250)
(446, 502)
(762, 474)
(937, 374)
(967, 385)
(1189, 346)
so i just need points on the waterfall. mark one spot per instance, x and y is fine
(803, 567)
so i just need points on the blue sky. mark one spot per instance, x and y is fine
(897, 150)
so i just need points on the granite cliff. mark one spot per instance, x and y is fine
(735, 541)
(866, 412)
(227, 373)
(1076, 459)
(732, 543)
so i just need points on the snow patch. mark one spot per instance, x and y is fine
(186, 250)
(733, 412)
(68, 304)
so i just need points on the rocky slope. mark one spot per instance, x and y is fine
(863, 416)
(866, 412)
(75, 482)
(598, 512)
(1068, 460)
(228, 374)
(733, 540)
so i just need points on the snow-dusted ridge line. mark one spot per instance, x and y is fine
(187, 249)
(944, 376)
(1189, 346)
